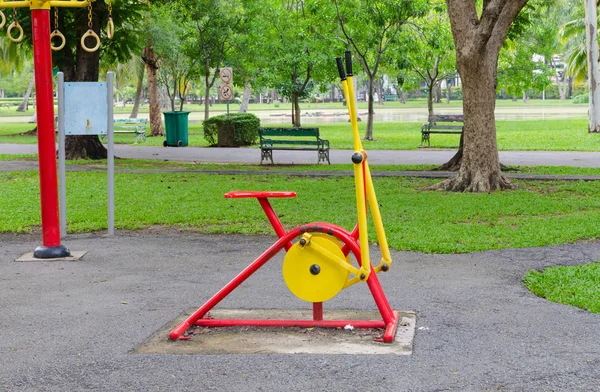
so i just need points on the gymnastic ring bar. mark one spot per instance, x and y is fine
(63, 40)
(110, 29)
(90, 33)
(15, 25)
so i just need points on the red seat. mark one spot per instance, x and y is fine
(257, 194)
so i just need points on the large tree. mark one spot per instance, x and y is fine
(433, 55)
(298, 52)
(478, 37)
(79, 65)
(369, 28)
(216, 23)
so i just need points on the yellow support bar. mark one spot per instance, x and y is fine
(353, 115)
(15, 4)
(342, 263)
(43, 4)
(379, 229)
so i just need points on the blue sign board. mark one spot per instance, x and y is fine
(86, 108)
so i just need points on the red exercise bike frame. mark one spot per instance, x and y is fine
(389, 317)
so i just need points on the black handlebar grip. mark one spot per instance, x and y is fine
(340, 66)
(348, 63)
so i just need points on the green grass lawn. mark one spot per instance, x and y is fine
(148, 164)
(537, 214)
(549, 135)
(576, 285)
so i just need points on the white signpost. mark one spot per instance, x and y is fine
(226, 90)
(85, 108)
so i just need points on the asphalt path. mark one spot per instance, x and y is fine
(71, 326)
(376, 157)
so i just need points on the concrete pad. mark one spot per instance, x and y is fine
(283, 340)
(75, 256)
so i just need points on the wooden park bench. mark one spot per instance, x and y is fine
(131, 125)
(439, 124)
(292, 139)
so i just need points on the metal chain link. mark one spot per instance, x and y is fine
(14, 14)
(55, 18)
(90, 15)
(110, 8)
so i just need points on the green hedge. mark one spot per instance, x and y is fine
(245, 127)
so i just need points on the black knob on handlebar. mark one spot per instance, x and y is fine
(348, 63)
(340, 66)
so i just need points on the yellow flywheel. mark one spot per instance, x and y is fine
(310, 270)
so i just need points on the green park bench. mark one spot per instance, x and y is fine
(306, 139)
(439, 124)
(131, 125)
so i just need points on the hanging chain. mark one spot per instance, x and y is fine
(55, 18)
(14, 15)
(90, 15)
(110, 8)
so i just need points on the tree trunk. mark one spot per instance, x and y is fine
(438, 92)
(524, 96)
(430, 87)
(369, 133)
(87, 69)
(138, 92)
(479, 164)
(380, 91)
(25, 103)
(296, 110)
(245, 99)
(206, 93)
(448, 91)
(156, 125)
(593, 68)
(454, 163)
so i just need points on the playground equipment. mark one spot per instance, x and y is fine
(42, 57)
(318, 266)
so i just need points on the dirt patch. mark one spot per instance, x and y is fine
(283, 340)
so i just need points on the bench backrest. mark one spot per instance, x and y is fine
(314, 132)
(446, 118)
(133, 121)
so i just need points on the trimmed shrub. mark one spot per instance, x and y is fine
(583, 98)
(243, 127)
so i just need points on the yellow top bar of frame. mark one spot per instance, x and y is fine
(42, 4)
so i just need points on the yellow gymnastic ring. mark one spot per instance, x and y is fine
(15, 25)
(3, 19)
(90, 33)
(110, 29)
(57, 33)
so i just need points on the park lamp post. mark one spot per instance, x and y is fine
(42, 55)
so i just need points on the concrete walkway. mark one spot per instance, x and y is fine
(72, 326)
(376, 157)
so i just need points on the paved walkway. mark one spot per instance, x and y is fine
(376, 157)
(72, 326)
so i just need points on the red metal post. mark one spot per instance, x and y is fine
(317, 311)
(42, 57)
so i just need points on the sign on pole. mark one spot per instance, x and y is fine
(226, 92)
(226, 75)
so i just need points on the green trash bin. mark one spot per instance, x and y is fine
(176, 127)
